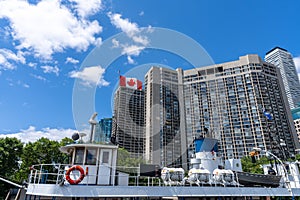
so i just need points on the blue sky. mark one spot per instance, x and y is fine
(46, 47)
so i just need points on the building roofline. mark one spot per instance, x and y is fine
(276, 48)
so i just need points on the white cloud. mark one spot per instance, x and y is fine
(49, 27)
(124, 24)
(49, 69)
(141, 13)
(5, 64)
(132, 50)
(141, 39)
(98, 42)
(31, 134)
(86, 8)
(130, 60)
(32, 65)
(12, 82)
(71, 60)
(132, 30)
(297, 63)
(91, 76)
(38, 77)
(115, 43)
(26, 85)
(7, 57)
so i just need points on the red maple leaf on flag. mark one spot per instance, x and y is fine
(131, 83)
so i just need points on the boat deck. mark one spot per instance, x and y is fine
(52, 190)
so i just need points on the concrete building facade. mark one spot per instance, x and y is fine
(165, 127)
(283, 59)
(227, 101)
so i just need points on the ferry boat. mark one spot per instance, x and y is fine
(93, 174)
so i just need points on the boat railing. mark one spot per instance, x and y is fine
(47, 173)
(55, 174)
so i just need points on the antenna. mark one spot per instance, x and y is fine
(93, 123)
(81, 135)
(92, 120)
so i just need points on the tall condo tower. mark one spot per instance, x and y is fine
(128, 130)
(283, 59)
(165, 127)
(228, 101)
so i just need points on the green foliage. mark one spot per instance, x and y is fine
(43, 151)
(15, 158)
(10, 152)
(297, 157)
(248, 166)
(127, 164)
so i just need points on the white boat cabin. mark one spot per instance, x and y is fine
(91, 164)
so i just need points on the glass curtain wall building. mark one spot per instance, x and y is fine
(103, 131)
(128, 122)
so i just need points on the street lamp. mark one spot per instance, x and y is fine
(285, 176)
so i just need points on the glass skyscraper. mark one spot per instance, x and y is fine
(103, 131)
(128, 120)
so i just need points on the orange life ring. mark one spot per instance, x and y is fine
(71, 181)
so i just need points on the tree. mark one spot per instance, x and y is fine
(43, 151)
(10, 153)
(297, 157)
(127, 164)
(249, 166)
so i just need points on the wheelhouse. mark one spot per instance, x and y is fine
(97, 161)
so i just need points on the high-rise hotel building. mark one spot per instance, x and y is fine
(128, 126)
(228, 101)
(165, 126)
(283, 59)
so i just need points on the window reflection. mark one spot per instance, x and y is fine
(79, 156)
(105, 158)
(91, 156)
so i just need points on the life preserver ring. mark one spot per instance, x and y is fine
(82, 175)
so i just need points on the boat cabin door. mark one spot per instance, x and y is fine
(105, 166)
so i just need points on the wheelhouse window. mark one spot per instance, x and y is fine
(105, 158)
(79, 156)
(91, 156)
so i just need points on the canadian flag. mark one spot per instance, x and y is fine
(132, 83)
